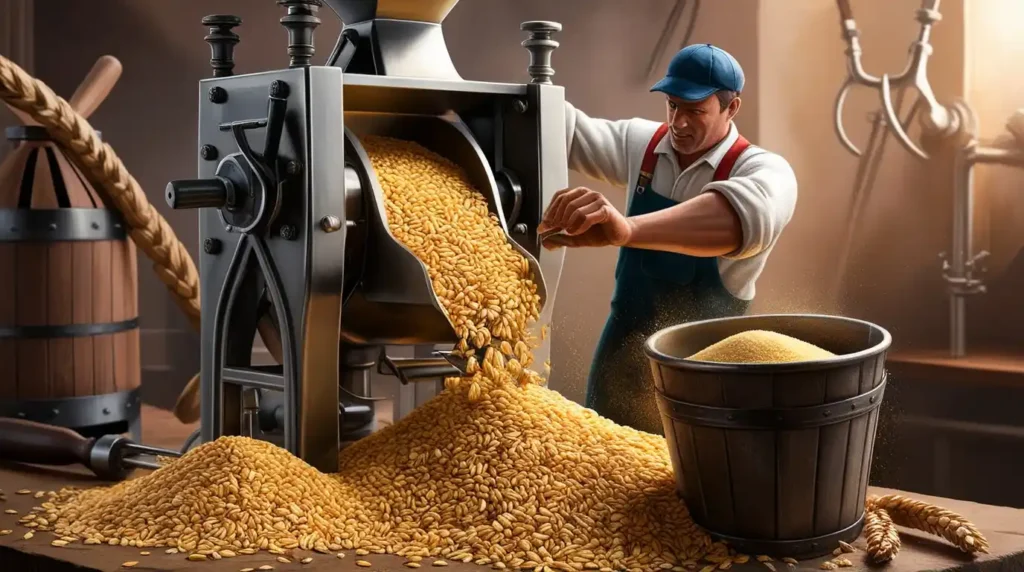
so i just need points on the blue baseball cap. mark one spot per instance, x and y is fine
(700, 70)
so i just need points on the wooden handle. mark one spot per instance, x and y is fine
(96, 86)
(845, 12)
(22, 116)
(30, 442)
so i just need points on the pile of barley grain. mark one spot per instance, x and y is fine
(524, 477)
(761, 346)
(229, 495)
(493, 470)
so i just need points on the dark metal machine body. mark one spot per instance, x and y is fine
(292, 217)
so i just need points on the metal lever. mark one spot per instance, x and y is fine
(408, 370)
(937, 118)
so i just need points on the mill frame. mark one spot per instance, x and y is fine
(292, 223)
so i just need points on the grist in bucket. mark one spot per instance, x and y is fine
(761, 346)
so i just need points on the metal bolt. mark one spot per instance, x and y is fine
(293, 168)
(55, 412)
(218, 95)
(53, 226)
(730, 417)
(211, 246)
(827, 413)
(520, 105)
(853, 407)
(287, 232)
(106, 411)
(330, 223)
(229, 228)
(95, 226)
(520, 228)
(872, 400)
(279, 89)
(208, 152)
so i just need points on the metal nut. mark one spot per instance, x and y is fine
(218, 95)
(330, 223)
(208, 152)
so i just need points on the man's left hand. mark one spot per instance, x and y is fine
(585, 218)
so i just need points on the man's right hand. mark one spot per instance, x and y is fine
(585, 218)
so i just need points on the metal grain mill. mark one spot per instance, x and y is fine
(292, 217)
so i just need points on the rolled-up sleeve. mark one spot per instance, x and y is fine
(597, 147)
(763, 192)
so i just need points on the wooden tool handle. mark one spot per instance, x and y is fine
(96, 86)
(30, 442)
(845, 12)
(22, 116)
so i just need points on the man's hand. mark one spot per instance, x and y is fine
(585, 218)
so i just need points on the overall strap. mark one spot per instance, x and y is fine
(650, 160)
(729, 160)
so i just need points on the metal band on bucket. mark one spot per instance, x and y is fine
(807, 548)
(773, 419)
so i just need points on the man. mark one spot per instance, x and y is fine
(704, 210)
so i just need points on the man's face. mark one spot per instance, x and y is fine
(697, 125)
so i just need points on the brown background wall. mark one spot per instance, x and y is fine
(792, 53)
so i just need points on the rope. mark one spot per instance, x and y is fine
(148, 230)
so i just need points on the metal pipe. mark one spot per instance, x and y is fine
(962, 260)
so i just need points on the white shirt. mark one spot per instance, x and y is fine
(762, 188)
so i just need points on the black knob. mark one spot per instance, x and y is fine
(199, 193)
(540, 45)
(222, 43)
(300, 21)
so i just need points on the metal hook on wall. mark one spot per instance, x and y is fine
(937, 119)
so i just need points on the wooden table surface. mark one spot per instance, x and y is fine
(1004, 528)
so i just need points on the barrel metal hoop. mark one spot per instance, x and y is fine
(31, 133)
(52, 225)
(68, 330)
(77, 412)
(773, 419)
(807, 548)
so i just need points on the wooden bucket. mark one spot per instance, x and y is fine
(69, 332)
(773, 458)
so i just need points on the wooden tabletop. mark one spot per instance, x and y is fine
(1004, 528)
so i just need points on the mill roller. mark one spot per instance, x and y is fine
(293, 228)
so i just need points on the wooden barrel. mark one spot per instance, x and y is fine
(773, 458)
(69, 334)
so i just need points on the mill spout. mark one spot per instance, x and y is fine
(393, 38)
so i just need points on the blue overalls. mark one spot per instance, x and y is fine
(653, 290)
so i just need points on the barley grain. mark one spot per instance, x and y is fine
(59, 543)
(131, 564)
(24, 492)
(933, 519)
(363, 563)
(306, 560)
